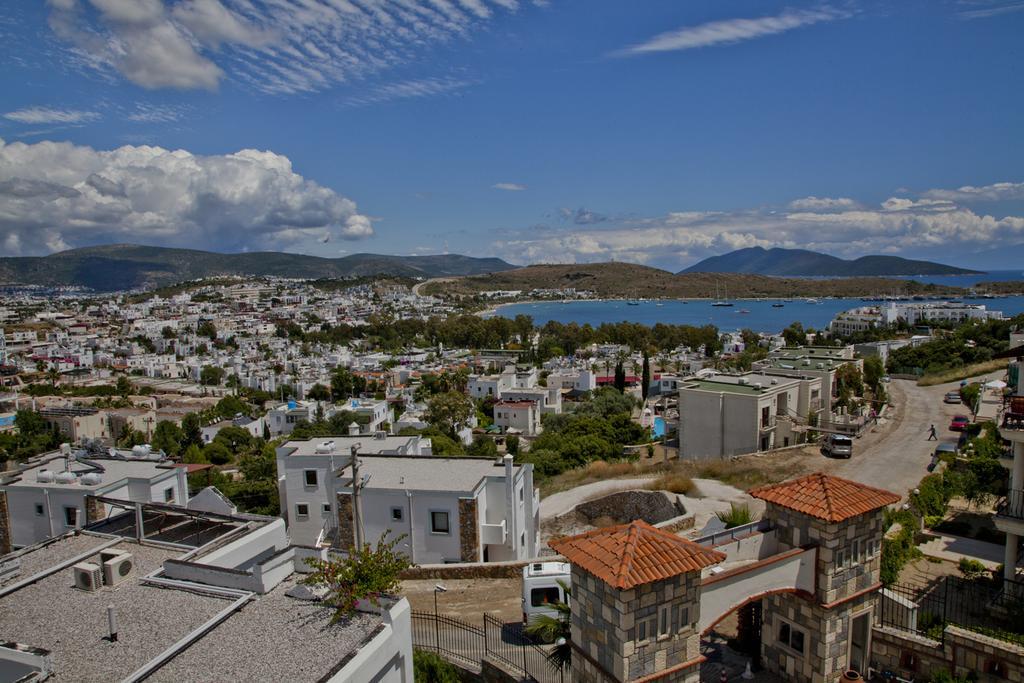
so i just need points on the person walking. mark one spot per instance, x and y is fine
(932, 436)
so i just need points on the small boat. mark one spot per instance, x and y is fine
(632, 303)
(812, 300)
(743, 310)
(719, 300)
(660, 304)
(778, 305)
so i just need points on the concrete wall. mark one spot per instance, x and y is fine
(962, 653)
(387, 656)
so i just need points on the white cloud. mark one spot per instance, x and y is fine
(728, 31)
(840, 226)
(37, 115)
(969, 193)
(821, 203)
(509, 187)
(277, 46)
(64, 194)
(425, 87)
(156, 113)
(989, 8)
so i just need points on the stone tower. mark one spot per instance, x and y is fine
(818, 637)
(635, 603)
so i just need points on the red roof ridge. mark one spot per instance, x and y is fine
(826, 496)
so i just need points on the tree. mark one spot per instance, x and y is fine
(168, 437)
(430, 667)
(449, 410)
(124, 387)
(512, 444)
(217, 453)
(620, 377)
(367, 573)
(483, 447)
(345, 384)
(795, 335)
(207, 329)
(318, 392)
(645, 378)
(53, 374)
(235, 439)
(193, 455)
(191, 431)
(211, 375)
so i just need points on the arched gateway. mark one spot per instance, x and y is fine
(642, 597)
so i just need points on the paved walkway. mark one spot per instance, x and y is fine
(952, 548)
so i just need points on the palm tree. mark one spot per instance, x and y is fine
(53, 374)
(554, 629)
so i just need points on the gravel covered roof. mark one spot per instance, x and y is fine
(72, 624)
(274, 637)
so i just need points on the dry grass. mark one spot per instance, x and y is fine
(674, 482)
(604, 521)
(962, 373)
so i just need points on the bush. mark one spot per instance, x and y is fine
(676, 483)
(971, 568)
(738, 515)
(429, 667)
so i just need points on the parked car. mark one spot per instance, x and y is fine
(837, 446)
(952, 397)
(944, 448)
(959, 423)
(544, 584)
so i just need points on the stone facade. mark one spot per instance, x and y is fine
(5, 525)
(345, 538)
(469, 531)
(625, 635)
(963, 652)
(94, 510)
(807, 638)
(625, 506)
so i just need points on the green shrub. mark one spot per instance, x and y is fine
(429, 667)
(971, 568)
(738, 515)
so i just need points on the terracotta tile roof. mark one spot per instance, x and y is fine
(826, 497)
(632, 554)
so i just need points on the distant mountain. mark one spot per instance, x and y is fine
(130, 266)
(802, 263)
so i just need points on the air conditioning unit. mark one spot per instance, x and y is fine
(109, 554)
(117, 569)
(88, 576)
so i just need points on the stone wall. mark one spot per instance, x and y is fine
(626, 506)
(5, 525)
(963, 652)
(345, 537)
(475, 570)
(618, 631)
(469, 530)
(94, 510)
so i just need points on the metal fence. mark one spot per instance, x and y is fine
(992, 606)
(503, 643)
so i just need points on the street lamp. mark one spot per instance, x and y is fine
(438, 588)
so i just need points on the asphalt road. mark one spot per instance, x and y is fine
(895, 456)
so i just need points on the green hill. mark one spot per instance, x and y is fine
(804, 263)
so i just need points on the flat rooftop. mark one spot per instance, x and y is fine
(113, 471)
(748, 385)
(369, 444)
(429, 473)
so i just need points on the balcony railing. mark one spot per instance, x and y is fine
(1013, 413)
(1012, 505)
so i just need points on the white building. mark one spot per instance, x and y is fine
(517, 416)
(49, 498)
(449, 509)
(725, 415)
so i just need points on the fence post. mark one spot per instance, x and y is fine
(945, 606)
(437, 634)
(522, 645)
(486, 647)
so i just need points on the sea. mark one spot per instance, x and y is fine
(760, 315)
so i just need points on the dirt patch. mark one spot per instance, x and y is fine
(468, 599)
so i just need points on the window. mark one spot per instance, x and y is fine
(70, 517)
(521, 488)
(791, 637)
(396, 514)
(327, 508)
(855, 549)
(840, 558)
(309, 477)
(439, 522)
(302, 510)
(544, 596)
(684, 618)
(994, 667)
(169, 494)
(664, 620)
(872, 548)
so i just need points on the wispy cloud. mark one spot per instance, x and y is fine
(509, 187)
(991, 193)
(280, 47)
(822, 203)
(156, 113)
(729, 31)
(37, 115)
(983, 9)
(425, 87)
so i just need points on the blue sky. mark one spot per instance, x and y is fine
(654, 132)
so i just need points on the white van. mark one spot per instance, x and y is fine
(544, 585)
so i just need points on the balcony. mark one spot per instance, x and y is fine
(492, 534)
(1012, 505)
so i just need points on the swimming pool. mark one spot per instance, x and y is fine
(659, 427)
